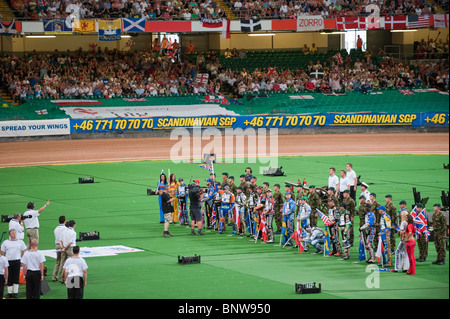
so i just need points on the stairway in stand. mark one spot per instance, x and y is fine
(6, 11)
(225, 5)
(6, 98)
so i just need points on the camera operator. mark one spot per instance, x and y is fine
(17, 224)
(167, 208)
(31, 221)
(195, 198)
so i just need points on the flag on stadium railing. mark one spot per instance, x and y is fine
(109, 30)
(250, 25)
(42, 112)
(373, 23)
(133, 24)
(395, 22)
(362, 250)
(348, 23)
(84, 25)
(380, 249)
(59, 26)
(420, 222)
(416, 22)
(222, 24)
(10, 27)
(324, 218)
(441, 20)
(208, 167)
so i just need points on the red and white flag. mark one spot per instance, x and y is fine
(440, 20)
(262, 228)
(380, 249)
(395, 22)
(223, 24)
(42, 112)
(347, 23)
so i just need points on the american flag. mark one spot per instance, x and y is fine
(415, 22)
(324, 218)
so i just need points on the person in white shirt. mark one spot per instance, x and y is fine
(17, 224)
(3, 274)
(33, 270)
(333, 180)
(67, 242)
(343, 184)
(364, 191)
(75, 275)
(13, 249)
(31, 221)
(352, 181)
(58, 233)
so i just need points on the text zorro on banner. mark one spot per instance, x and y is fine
(309, 23)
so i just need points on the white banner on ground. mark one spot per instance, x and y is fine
(96, 251)
(34, 128)
(145, 111)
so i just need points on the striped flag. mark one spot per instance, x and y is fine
(416, 22)
(324, 218)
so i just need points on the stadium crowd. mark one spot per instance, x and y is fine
(194, 10)
(148, 73)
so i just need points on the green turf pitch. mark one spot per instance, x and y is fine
(118, 207)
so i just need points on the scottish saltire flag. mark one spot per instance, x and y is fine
(208, 167)
(326, 242)
(133, 24)
(324, 218)
(362, 250)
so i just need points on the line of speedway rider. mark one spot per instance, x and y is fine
(250, 214)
